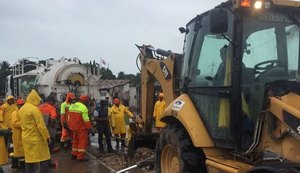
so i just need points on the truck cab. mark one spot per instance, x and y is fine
(239, 83)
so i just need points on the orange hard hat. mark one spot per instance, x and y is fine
(84, 98)
(20, 102)
(71, 95)
(161, 95)
(116, 100)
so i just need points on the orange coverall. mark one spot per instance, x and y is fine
(79, 123)
(50, 115)
(64, 113)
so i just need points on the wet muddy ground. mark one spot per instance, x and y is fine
(99, 162)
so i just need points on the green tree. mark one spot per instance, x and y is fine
(122, 75)
(134, 79)
(137, 79)
(106, 73)
(4, 72)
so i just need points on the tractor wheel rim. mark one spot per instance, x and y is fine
(170, 160)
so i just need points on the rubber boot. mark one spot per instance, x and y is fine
(22, 165)
(117, 143)
(69, 145)
(14, 163)
(110, 148)
(101, 149)
(62, 144)
(52, 164)
(1, 170)
(123, 144)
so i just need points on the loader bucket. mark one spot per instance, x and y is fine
(147, 140)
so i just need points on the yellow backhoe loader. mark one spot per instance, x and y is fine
(234, 95)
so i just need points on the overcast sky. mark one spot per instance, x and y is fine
(90, 29)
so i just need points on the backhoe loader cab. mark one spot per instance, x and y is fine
(239, 110)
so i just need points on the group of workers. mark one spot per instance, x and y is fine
(33, 128)
(30, 135)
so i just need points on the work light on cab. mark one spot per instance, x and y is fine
(257, 5)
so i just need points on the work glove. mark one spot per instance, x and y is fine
(92, 131)
(131, 120)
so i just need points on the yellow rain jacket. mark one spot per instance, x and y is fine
(159, 109)
(17, 135)
(3, 149)
(117, 118)
(34, 130)
(7, 110)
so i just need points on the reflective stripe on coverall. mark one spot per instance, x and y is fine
(34, 130)
(79, 123)
(17, 135)
(159, 109)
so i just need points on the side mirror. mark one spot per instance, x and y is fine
(218, 21)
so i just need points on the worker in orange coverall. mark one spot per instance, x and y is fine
(79, 122)
(66, 135)
(48, 110)
(159, 108)
(117, 113)
(18, 161)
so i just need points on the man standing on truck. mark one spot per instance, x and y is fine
(159, 108)
(118, 112)
(79, 122)
(66, 135)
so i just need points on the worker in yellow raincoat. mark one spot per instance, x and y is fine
(18, 161)
(159, 109)
(7, 109)
(3, 148)
(117, 113)
(35, 135)
(5, 115)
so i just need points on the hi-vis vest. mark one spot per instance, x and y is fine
(78, 118)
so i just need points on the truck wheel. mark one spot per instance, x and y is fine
(175, 152)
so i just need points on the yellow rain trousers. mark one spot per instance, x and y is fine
(17, 135)
(34, 130)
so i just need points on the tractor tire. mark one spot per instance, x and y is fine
(175, 152)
